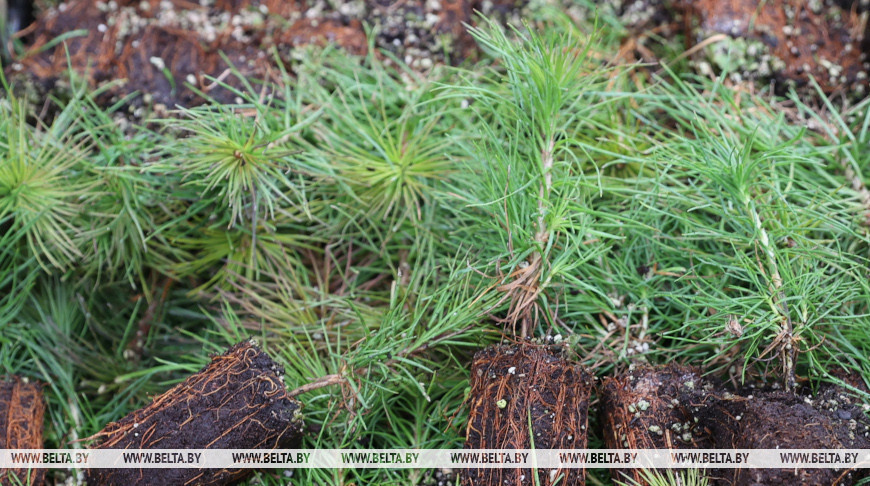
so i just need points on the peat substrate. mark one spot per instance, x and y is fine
(782, 42)
(777, 419)
(641, 409)
(675, 407)
(238, 401)
(520, 392)
(22, 412)
(790, 41)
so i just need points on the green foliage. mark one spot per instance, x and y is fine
(43, 189)
(764, 225)
(231, 209)
(388, 157)
(373, 227)
(232, 163)
(529, 186)
(382, 150)
(122, 216)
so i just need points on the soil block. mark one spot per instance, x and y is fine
(238, 401)
(642, 410)
(510, 385)
(786, 40)
(771, 419)
(22, 410)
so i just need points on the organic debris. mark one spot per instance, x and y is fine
(775, 419)
(517, 387)
(642, 409)
(173, 52)
(238, 401)
(788, 41)
(22, 410)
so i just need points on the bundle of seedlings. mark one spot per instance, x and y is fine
(530, 220)
(642, 409)
(526, 397)
(356, 219)
(532, 241)
(22, 409)
(778, 419)
(238, 401)
(773, 290)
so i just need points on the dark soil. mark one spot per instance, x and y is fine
(786, 40)
(22, 411)
(641, 409)
(165, 50)
(238, 401)
(770, 419)
(508, 385)
(850, 378)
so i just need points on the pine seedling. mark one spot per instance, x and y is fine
(846, 132)
(388, 157)
(527, 189)
(122, 215)
(380, 152)
(236, 207)
(44, 188)
(761, 233)
(232, 161)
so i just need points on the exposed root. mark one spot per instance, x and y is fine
(523, 289)
(238, 401)
(22, 411)
(523, 397)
